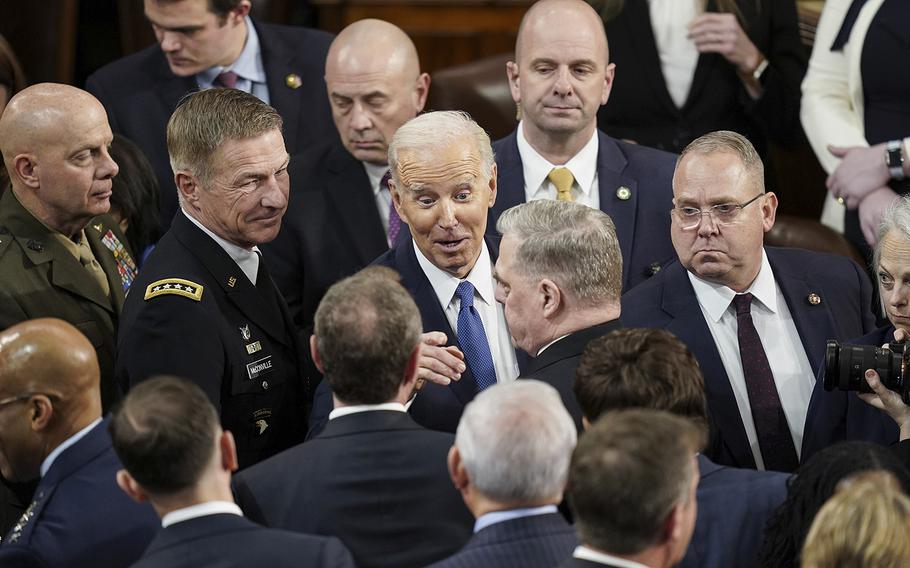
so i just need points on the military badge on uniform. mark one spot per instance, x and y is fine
(125, 265)
(259, 368)
(253, 347)
(261, 418)
(175, 286)
(245, 332)
(232, 281)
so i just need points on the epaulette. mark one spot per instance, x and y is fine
(176, 286)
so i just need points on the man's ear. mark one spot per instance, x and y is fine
(514, 85)
(228, 451)
(187, 186)
(25, 169)
(411, 369)
(769, 210)
(40, 412)
(242, 10)
(314, 353)
(493, 179)
(550, 297)
(456, 469)
(131, 487)
(609, 75)
(421, 90)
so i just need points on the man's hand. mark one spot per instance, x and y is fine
(861, 171)
(721, 33)
(871, 209)
(437, 363)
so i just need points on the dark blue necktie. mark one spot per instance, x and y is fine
(473, 339)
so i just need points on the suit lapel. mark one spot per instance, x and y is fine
(510, 179)
(237, 287)
(646, 48)
(284, 98)
(679, 301)
(610, 164)
(348, 191)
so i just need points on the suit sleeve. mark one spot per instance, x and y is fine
(778, 107)
(336, 555)
(20, 557)
(173, 335)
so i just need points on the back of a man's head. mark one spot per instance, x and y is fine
(640, 368)
(515, 441)
(164, 433)
(632, 484)
(366, 329)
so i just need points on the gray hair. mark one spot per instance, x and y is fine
(574, 245)
(896, 219)
(204, 120)
(734, 143)
(516, 441)
(431, 132)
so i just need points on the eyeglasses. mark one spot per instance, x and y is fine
(722, 213)
(21, 397)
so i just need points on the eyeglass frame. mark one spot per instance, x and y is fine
(18, 398)
(711, 212)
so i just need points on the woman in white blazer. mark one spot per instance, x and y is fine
(833, 115)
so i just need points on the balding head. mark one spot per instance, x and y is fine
(560, 76)
(54, 140)
(50, 377)
(374, 82)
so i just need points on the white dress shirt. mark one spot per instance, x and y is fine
(358, 408)
(382, 195)
(246, 259)
(493, 517)
(678, 54)
(248, 67)
(52, 457)
(585, 553)
(583, 166)
(783, 347)
(200, 510)
(491, 312)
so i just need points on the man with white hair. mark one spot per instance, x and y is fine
(510, 461)
(559, 278)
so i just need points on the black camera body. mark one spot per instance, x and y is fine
(845, 367)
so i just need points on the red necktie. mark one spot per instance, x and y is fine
(774, 437)
(227, 79)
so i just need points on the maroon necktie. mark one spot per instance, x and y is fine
(394, 219)
(774, 438)
(227, 79)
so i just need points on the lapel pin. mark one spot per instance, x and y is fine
(653, 269)
(814, 299)
(232, 281)
(293, 81)
(623, 193)
(36, 246)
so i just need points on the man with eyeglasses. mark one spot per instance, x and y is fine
(51, 426)
(756, 318)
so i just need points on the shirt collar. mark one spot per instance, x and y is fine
(200, 510)
(246, 259)
(51, 457)
(248, 64)
(494, 517)
(357, 408)
(585, 553)
(583, 165)
(716, 298)
(375, 173)
(444, 284)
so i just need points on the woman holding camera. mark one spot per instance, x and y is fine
(881, 416)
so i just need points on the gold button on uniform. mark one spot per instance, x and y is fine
(814, 299)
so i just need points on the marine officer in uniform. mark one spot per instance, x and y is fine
(204, 307)
(60, 254)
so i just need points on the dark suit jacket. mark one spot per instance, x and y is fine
(556, 366)
(538, 541)
(837, 416)
(573, 562)
(236, 341)
(41, 278)
(79, 512)
(376, 480)
(229, 541)
(641, 108)
(642, 221)
(140, 92)
(733, 506)
(669, 302)
(331, 229)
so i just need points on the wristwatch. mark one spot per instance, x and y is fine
(894, 159)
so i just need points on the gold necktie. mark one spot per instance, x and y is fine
(88, 261)
(562, 179)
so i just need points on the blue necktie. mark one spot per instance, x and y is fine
(473, 339)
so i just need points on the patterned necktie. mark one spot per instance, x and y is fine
(394, 219)
(473, 339)
(774, 439)
(562, 180)
(227, 79)
(87, 259)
